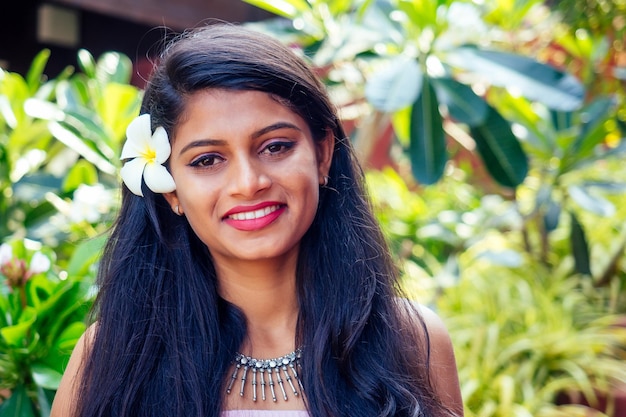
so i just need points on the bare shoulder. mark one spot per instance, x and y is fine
(65, 397)
(443, 370)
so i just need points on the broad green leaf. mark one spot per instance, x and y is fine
(70, 335)
(34, 77)
(42, 109)
(14, 87)
(562, 120)
(113, 67)
(396, 86)
(38, 290)
(82, 172)
(401, 120)
(579, 246)
(86, 63)
(44, 400)
(88, 126)
(592, 203)
(338, 7)
(85, 255)
(71, 140)
(593, 131)
(500, 150)
(420, 13)
(463, 104)
(428, 145)
(15, 335)
(285, 8)
(508, 258)
(18, 404)
(6, 112)
(118, 106)
(551, 216)
(45, 377)
(523, 75)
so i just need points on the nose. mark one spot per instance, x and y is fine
(247, 177)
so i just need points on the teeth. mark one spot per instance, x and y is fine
(251, 215)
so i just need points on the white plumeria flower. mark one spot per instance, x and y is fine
(6, 253)
(146, 153)
(90, 203)
(39, 263)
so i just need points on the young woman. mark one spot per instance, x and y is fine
(244, 233)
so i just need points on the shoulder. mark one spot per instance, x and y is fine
(442, 362)
(65, 397)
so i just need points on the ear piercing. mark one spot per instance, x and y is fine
(326, 180)
(177, 210)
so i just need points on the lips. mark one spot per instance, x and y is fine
(254, 217)
(256, 214)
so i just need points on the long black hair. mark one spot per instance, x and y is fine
(165, 338)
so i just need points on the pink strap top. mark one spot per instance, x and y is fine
(264, 413)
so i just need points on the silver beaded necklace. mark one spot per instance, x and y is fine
(267, 372)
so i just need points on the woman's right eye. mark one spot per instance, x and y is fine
(206, 161)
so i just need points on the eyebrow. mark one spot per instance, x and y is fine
(258, 133)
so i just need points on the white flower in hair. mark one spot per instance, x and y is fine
(146, 152)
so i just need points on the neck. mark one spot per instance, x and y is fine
(265, 291)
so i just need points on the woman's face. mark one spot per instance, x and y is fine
(247, 174)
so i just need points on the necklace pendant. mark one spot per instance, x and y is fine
(270, 367)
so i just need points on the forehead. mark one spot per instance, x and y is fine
(221, 111)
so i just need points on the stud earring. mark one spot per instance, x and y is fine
(326, 180)
(177, 210)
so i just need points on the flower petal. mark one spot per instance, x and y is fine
(158, 178)
(6, 253)
(161, 144)
(131, 173)
(138, 134)
(39, 263)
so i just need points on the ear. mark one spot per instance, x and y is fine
(325, 150)
(172, 200)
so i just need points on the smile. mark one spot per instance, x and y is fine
(256, 214)
(254, 218)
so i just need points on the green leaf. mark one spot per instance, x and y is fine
(463, 104)
(593, 132)
(71, 140)
(18, 404)
(82, 172)
(85, 255)
(46, 377)
(527, 77)
(427, 148)
(285, 8)
(580, 248)
(500, 150)
(34, 76)
(44, 400)
(396, 86)
(86, 63)
(421, 13)
(15, 335)
(113, 67)
(118, 106)
(551, 216)
(593, 203)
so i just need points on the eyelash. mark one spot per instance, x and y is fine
(201, 162)
(284, 147)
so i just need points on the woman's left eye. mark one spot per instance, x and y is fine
(277, 148)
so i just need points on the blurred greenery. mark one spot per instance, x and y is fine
(59, 144)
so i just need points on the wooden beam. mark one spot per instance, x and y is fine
(175, 14)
